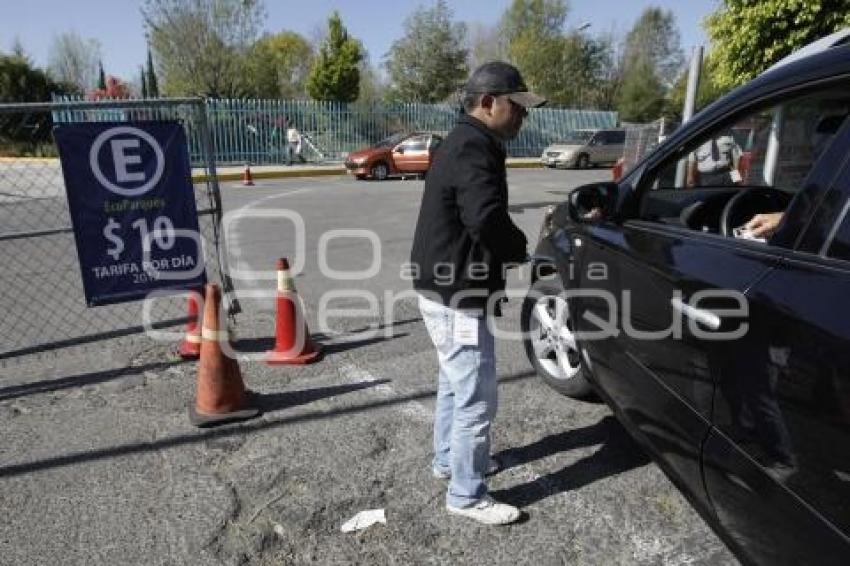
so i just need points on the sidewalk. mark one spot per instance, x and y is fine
(235, 172)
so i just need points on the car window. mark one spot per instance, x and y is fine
(435, 142)
(390, 141)
(418, 143)
(578, 137)
(618, 137)
(767, 154)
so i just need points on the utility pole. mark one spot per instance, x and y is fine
(688, 110)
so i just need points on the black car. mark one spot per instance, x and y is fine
(726, 357)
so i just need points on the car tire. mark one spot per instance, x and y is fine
(582, 161)
(360, 177)
(548, 340)
(379, 171)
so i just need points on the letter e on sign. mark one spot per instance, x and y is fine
(123, 156)
(122, 159)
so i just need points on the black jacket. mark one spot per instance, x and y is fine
(464, 235)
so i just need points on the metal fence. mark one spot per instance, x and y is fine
(254, 131)
(43, 303)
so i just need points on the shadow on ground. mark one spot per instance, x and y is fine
(619, 453)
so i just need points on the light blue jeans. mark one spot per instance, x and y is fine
(466, 401)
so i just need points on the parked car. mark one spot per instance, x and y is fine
(725, 356)
(397, 155)
(586, 148)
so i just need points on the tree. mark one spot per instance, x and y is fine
(429, 62)
(335, 74)
(642, 94)
(707, 92)
(748, 37)
(19, 51)
(652, 61)
(143, 82)
(101, 77)
(201, 46)
(278, 66)
(485, 44)
(534, 34)
(565, 67)
(74, 59)
(152, 85)
(21, 82)
(372, 88)
(542, 18)
(608, 67)
(115, 88)
(654, 39)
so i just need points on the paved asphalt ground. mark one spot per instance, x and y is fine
(99, 464)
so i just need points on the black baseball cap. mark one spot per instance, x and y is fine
(500, 78)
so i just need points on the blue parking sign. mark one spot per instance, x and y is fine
(132, 207)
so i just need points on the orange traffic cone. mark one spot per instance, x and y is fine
(190, 348)
(221, 395)
(292, 338)
(247, 179)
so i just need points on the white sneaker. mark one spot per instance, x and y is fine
(488, 511)
(493, 467)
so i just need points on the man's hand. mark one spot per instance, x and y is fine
(593, 214)
(764, 225)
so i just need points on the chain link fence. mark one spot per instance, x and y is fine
(643, 138)
(43, 304)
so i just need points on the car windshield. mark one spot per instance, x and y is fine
(576, 138)
(390, 141)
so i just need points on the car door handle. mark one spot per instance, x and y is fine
(704, 317)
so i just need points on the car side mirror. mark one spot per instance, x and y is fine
(592, 203)
(399, 149)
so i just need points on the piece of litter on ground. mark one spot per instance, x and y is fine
(364, 520)
(278, 529)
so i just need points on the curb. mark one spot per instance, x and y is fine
(525, 165)
(322, 172)
(227, 177)
(29, 159)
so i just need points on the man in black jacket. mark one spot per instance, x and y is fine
(464, 240)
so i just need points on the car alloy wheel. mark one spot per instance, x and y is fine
(550, 340)
(380, 171)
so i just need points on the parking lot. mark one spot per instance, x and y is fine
(100, 463)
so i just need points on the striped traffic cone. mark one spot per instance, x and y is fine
(292, 338)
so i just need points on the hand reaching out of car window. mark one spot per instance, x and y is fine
(593, 214)
(764, 225)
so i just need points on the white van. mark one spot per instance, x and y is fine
(586, 148)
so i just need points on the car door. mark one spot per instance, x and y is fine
(606, 147)
(777, 462)
(616, 146)
(411, 156)
(597, 148)
(679, 285)
(657, 370)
